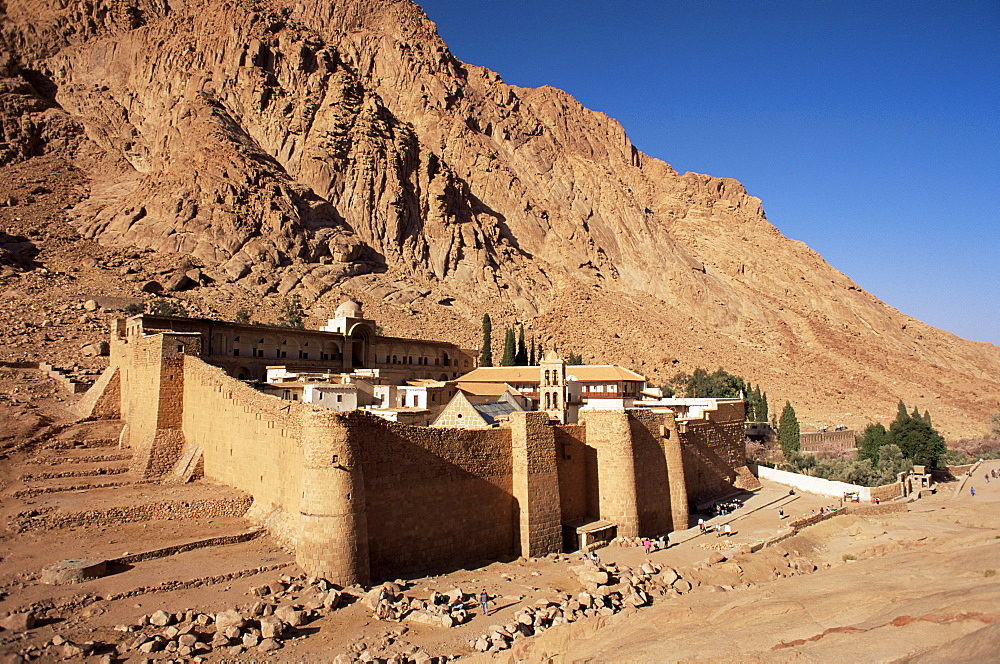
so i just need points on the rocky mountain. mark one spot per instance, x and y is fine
(338, 148)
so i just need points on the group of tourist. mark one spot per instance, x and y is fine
(724, 508)
(717, 528)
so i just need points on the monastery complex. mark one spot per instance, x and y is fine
(374, 456)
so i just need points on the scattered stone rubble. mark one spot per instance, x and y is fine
(607, 590)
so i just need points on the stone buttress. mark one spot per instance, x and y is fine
(333, 526)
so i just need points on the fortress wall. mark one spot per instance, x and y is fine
(572, 456)
(249, 440)
(712, 450)
(841, 440)
(141, 363)
(609, 433)
(535, 484)
(652, 481)
(435, 497)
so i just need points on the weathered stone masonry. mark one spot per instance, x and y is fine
(359, 498)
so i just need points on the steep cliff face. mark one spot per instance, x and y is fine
(300, 146)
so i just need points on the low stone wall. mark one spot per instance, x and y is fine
(795, 526)
(877, 510)
(831, 488)
(188, 546)
(62, 380)
(810, 484)
(886, 491)
(195, 509)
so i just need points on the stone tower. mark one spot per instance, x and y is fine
(552, 386)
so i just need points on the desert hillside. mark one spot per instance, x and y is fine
(331, 149)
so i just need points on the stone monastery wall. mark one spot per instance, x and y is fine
(435, 497)
(712, 452)
(359, 498)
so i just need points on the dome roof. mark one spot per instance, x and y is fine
(349, 309)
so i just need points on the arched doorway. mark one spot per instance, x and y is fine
(359, 345)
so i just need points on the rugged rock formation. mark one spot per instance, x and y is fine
(339, 147)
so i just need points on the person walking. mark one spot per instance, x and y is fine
(729, 530)
(972, 490)
(701, 526)
(646, 543)
(484, 601)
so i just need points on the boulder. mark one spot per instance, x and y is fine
(90, 305)
(226, 619)
(161, 619)
(289, 615)
(74, 571)
(179, 282)
(19, 622)
(715, 558)
(592, 576)
(151, 287)
(427, 618)
(271, 627)
(267, 645)
(332, 600)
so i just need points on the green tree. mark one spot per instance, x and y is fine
(533, 359)
(918, 441)
(788, 431)
(719, 384)
(291, 313)
(509, 349)
(486, 358)
(521, 356)
(763, 405)
(891, 462)
(872, 440)
(574, 359)
(242, 315)
(901, 414)
(165, 307)
(927, 417)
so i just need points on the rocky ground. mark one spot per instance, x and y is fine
(187, 578)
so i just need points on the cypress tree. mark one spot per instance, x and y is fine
(927, 417)
(521, 357)
(763, 408)
(915, 415)
(918, 441)
(788, 431)
(533, 359)
(509, 349)
(486, 358)
(901, 414)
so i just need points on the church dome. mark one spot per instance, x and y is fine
(349, 309)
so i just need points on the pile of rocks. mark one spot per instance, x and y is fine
(388, 601)
(657, 543)
(607, 590)
(259, 627)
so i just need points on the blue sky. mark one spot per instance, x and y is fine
(871, 131)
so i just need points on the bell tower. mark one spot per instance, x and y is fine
(552, 386)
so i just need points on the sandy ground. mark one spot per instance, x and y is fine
(919, 584)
